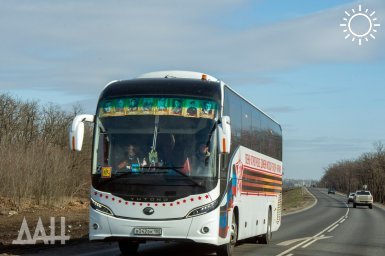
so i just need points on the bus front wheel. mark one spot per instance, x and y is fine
(128, 247)
(227, 249)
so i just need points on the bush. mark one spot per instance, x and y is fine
(35, 160)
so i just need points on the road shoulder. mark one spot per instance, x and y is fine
(310, 201)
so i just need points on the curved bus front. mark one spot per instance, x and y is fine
(166, 195)
(173, 190)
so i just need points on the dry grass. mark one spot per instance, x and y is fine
(296, 199)
(35, 161)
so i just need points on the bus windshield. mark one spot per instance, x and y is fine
(150, 147)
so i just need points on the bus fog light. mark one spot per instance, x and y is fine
(205, 230)
(95, 226)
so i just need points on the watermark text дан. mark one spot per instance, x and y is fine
(40, 233)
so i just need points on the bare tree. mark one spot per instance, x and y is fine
(35, 160)
(368, 169)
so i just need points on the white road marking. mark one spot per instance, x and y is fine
(330, 230)
(292, 241)
(342, 220)
(316, 239)
(290, 254)
(316, 236)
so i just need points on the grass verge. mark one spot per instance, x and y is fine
(296, 199)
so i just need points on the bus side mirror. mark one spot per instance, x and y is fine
(76, 133)
(224, 135)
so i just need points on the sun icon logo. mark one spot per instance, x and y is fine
(360, 25)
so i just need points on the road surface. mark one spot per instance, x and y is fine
(329, 228)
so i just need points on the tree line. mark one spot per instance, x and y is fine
(35, 160)
(351, 175)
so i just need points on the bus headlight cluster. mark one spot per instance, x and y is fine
(100, 207)
(202, 209)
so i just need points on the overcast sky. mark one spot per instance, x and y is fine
(290, 58)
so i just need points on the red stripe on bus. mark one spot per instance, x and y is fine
(260, 170)
(246, 183)
(261, 179)
(260, 193)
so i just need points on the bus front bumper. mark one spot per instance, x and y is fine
(199, 229)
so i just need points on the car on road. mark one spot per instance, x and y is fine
(363, 197)
(331, 191)
(351, 197)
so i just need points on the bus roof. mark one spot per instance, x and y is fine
(179, 74)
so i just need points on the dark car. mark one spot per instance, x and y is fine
(331, 191)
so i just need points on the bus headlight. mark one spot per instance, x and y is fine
(202, 209)
(100, 207)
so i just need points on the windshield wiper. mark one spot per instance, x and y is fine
(119, 175)
(175, 169)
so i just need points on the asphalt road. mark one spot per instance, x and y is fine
(331, 227)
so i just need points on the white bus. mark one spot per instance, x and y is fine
(180, 156)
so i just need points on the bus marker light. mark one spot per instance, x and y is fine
(224, 145)
(204, 77)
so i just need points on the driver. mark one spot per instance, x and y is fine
(131, 159)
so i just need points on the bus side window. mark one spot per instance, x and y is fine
(256, 131)
(246, 125)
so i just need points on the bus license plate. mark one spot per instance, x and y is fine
(148, 231)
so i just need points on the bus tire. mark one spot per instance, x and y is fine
(266, 238)
(227, 249)
(128, 247)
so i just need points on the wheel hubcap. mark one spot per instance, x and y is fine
(233, 234)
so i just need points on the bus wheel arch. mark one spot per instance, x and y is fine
(228, 248)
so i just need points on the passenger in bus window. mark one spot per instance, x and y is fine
(199, 161)
(131, 161)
